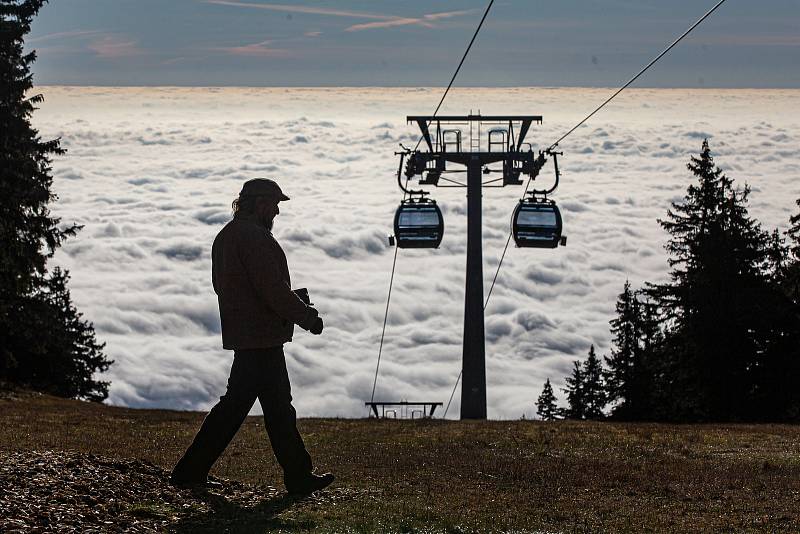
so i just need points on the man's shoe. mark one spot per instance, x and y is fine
(309, 484)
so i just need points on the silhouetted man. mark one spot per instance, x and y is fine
(258, 311)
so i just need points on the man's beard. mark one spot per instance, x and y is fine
(267, 223)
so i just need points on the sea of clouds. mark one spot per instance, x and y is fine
(151, 173)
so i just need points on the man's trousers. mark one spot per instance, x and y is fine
(255, 374)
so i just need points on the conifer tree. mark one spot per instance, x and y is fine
(794, 233)
(631, 367)
(717, 300)
(775, 393)
(777, 257)
(792, 279)
(546, 404)
(594, 395)
(576, 406)
(44, 343)
(647, 373)
(625, 348)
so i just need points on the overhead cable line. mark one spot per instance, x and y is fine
(388, 299)
(453, 393)
(453, 79)
(554, 145)
(394, 261)
(383, 333)
(662, 54)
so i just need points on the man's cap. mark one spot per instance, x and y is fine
(262, 187)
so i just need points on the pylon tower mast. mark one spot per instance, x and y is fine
(459, 140)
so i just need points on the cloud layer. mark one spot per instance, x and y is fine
(151, 174)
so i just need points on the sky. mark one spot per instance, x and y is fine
(588, 43)
(165, 108)
(151, 173)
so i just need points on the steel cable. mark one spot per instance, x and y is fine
(385, 317)
(453, 79)
(554, 145)
(662, 54)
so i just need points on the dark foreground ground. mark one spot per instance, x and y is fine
(68, 465)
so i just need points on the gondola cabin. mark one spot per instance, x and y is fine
(418, 224)
(537, 224)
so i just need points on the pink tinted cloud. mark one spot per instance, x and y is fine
(393, 23)
(425, 21)
(112, 47)
(301, 9)
(448, 14)
(261, 49)
(381, 20)
(64, 35)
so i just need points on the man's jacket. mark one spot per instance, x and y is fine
(257, 307)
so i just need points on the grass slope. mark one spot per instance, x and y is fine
(467, 476)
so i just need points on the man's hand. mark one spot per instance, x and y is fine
(316, 328)
(302, 293)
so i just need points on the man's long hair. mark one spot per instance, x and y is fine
(244, 205)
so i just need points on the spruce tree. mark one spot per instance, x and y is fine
(775, 394)
(794, 233)
(792, 279)
(647, 373)
(44, 343)
(625, 328)
(718, 298)
(546, 404)
(594, 394)
(777, 257)
(791, 284)
(631, 372)
(576, 407)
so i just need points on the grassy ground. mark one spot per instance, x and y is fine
(469, 476)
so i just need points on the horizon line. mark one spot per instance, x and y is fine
(426, 87)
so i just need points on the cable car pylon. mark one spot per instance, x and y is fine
(419, 223)
(537, 226)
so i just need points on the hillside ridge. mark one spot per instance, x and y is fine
(400, 476)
